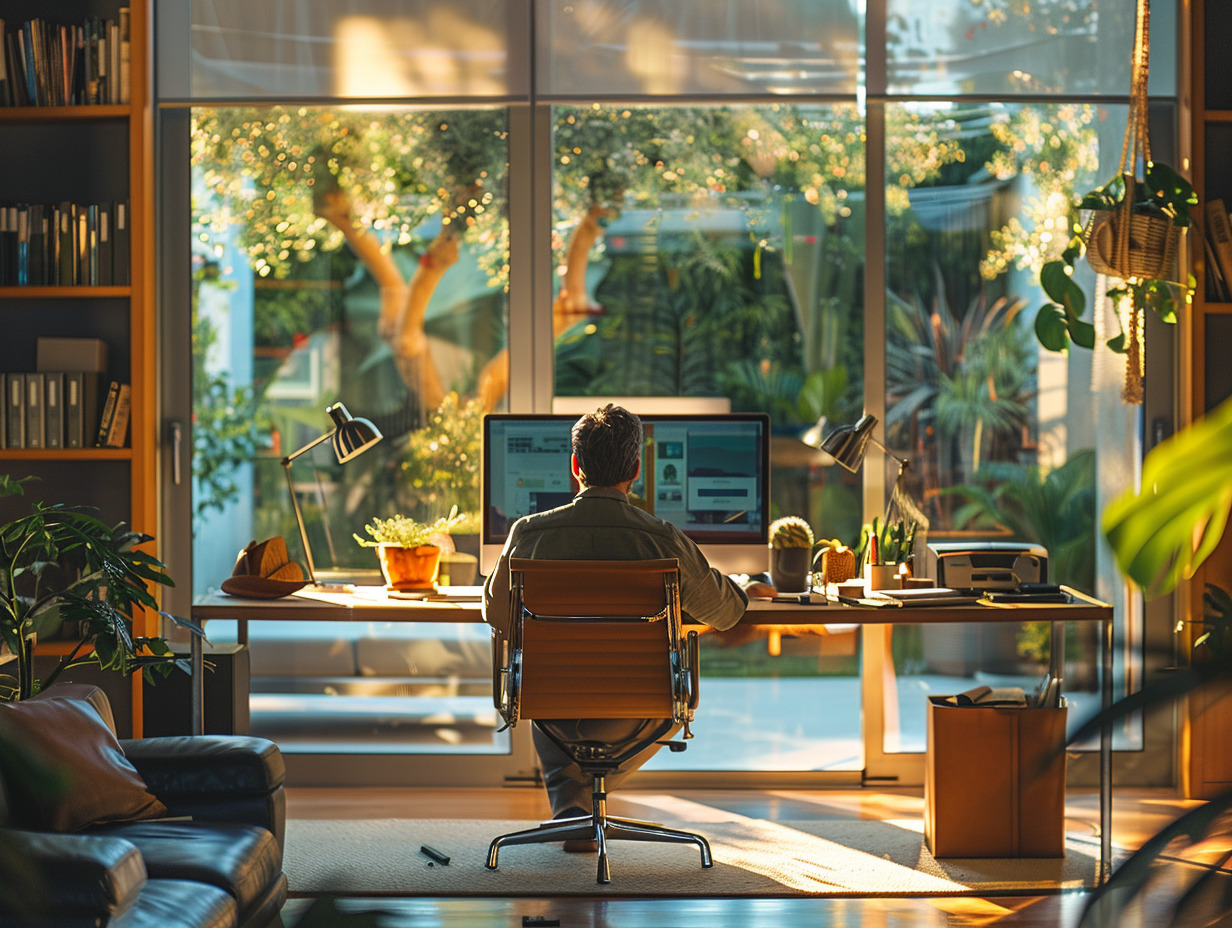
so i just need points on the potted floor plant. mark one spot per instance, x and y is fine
(110, 582)
(409, 550)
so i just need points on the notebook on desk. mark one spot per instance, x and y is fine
(927, 596)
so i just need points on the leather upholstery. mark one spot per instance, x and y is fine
(217, 863)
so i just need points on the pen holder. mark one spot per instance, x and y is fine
(881, 577)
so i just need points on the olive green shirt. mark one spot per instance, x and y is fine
(601, 524)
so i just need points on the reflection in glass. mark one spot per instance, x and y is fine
(1002, 436)
(343, 255)
(1002, 48)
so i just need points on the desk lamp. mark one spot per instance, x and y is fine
(351, 438)
(847, 445)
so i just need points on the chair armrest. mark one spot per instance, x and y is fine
(67, 878)
(220, 778)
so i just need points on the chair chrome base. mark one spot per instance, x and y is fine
(600, 828)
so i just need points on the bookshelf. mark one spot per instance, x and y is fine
(96, 153)
(1206, 762)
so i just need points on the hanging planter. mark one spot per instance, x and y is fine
(1132, 235)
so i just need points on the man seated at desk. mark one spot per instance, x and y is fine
(601, 524)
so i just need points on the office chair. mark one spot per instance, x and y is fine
(598, 640)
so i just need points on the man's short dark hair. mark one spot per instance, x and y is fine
(608, 445)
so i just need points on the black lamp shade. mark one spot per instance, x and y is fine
(847, 443)
(352, 436)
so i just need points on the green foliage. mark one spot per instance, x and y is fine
(405, 532)
(442, 460)
(1053, 508)
(895, 541)
(1164, 531)
(112, 585)
(229, 423)
(1060, 322)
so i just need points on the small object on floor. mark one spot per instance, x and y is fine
(581, 846)
(536, 921)
(436, 855)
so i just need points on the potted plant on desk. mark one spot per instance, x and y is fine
(409, 550)
(111, 584)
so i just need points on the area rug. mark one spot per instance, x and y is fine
(752, 857)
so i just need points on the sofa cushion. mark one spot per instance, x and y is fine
(65, 877)
(68, 735)
(242, 859)
(166, 903)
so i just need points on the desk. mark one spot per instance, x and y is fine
(370, 604)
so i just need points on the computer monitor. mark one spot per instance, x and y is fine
(707, 474)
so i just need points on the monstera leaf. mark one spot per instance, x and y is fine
(1163, 532)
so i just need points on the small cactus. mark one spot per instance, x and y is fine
(790, 532)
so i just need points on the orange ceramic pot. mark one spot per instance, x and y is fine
(409, 568)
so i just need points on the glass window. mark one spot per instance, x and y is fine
(348, 255)
(684, 47)
(287, 50)
(1000, 48)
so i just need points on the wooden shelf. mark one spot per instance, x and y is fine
(90, 154)
(30, 114)
(65, 293)
(71, 454)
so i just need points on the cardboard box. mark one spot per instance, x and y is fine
(994, 781)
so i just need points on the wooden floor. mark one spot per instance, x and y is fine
(1137, 814)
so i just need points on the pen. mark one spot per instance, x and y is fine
(434, 854)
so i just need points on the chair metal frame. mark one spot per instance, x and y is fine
(579, 607)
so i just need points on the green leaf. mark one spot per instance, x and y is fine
(1050, 328)
(1163, 532)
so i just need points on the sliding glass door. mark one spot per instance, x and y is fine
(809, 209)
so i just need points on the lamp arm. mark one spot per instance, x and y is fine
(299, 518)
(286, 462)
(902, 462)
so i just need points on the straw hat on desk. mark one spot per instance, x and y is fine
(264, 570)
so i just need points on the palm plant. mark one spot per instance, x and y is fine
(966, 374)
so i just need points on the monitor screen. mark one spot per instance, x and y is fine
(709, 475)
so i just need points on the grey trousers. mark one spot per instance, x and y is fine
(567, 786)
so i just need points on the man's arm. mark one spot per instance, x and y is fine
(496, 590)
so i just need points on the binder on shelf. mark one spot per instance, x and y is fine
(120, 244)
(53, 409)
(105, 273)
(36, 427)
(1220, 233)
(1218, 288)
(108, 415)
(81, 389)
(15, 410)
(64, 245)
(117, 431)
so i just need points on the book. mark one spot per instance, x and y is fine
(106, 417)
(53, 410)
(120, 245)
(36, 429)
(106, 273)
(15, 410)
(65, 257)
(81, 389)
(1220, 233)
(1218, 287)
(117, 431)
(126, 79)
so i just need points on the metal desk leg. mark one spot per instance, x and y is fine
(1105, 760)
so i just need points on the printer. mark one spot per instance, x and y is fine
(985, 565)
